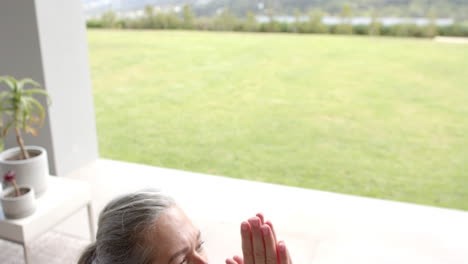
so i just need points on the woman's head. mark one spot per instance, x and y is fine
(144, 227)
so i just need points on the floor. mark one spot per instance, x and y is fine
(319, 227)
(48, 248)
(459, 40)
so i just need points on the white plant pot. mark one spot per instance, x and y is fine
(31, 172)
(18, 207)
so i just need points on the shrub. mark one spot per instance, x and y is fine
(94, 23)
(346, 29)
(227, 21)
(457, 30)
(109, 20)
(361, 29)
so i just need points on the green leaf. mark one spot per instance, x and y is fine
(23, 104)
(19, 103)
(36, 91)
(4, 94)
(39, 109)
(8, 80)
(14, 83)
(23, 82)
(30, 81)
(30, 92)
(7, 127)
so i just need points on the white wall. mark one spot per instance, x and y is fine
(46, 40)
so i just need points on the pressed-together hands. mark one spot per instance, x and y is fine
(260, 245)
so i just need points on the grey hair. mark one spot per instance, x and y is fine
(123, 229)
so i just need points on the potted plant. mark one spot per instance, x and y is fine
(17, 201)
(22, 113)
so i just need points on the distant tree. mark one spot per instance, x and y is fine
(400, 30)
(315, 24)
(225, 21)
(430, 30)
(189, 17)
(173, 21)
(297, 20)
(347, 13)
(148, 20)
(457, 29)
(167, 21)
(204, 23)
(345, 26)
(374, 26)
(250, 22)
(361, 29)
(94, 23)
(457, 9)
(272, 26)
(160, 21)
(109, 20)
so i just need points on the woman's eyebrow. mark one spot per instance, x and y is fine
(178, 253)
(182, 251)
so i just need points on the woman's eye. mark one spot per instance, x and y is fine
(200, 246)
(184, 261)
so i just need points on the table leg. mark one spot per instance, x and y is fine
(27, 259)
(91, 223)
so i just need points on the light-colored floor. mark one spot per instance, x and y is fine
(319, 227)
(50, 248)
(458, 40)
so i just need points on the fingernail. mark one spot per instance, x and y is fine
(281, 246)
(265, 230)
(244, 226)
(255, 221)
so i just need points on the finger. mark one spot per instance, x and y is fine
(257, 241)
(262, 219)
(270, 224)
(283, 253)
(230, 261)
(247, 247)
(239, 260)
(270, 245)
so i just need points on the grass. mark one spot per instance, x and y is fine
(377, 117)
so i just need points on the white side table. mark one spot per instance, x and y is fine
(63, 198)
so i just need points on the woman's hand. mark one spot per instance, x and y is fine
(259, 244)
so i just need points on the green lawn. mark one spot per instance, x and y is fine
(378, 117)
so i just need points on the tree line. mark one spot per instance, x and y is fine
(228, 21)
(457, 9)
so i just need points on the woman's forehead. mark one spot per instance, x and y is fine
(174, 231)
(174, 218)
